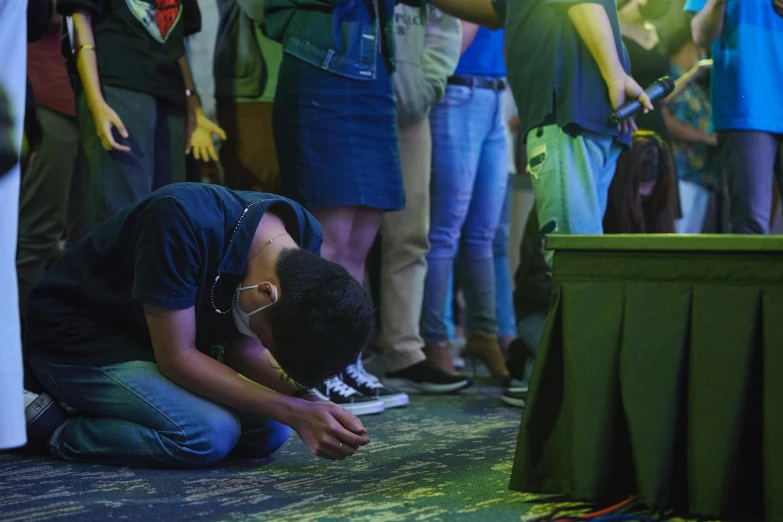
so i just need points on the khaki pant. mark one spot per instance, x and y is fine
(248, 157)
(404, 247)
(54, 200)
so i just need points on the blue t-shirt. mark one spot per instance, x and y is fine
(184, 245)
(747, 76)
(484, 57)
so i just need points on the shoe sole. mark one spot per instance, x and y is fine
(397, 400)
(428, 388)
(363, 408)
(517, 403)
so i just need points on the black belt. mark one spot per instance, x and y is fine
(480, 82)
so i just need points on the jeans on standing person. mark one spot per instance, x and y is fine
(530, 329)
(571, 174)
(131, 415)
(156, 137)
(54, 200)
(753, 162)
(469, 179)
(504, 299)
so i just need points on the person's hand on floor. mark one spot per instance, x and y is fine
(328, 430)
(200, 131)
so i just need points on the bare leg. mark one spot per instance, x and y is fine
(348, 235)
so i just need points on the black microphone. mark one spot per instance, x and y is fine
(660, 89)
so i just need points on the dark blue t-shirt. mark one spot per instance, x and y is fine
(185, 245)
(552, 74)
(484, 57)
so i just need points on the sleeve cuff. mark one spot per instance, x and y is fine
(67, 7)
(164, 301)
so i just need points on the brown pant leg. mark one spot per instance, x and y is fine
(248, 156)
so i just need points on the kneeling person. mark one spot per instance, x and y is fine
(122, 329)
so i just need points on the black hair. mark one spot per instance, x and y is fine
(323, 318)
(626, 211)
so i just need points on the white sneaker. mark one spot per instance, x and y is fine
(336, 391)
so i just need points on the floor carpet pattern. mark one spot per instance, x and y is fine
(442, 458)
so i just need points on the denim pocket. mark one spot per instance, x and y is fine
(538, 157)
(457, 95)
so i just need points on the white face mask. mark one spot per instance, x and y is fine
(242, 319)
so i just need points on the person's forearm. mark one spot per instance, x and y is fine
(255, 363)
(215, 381)
(86, 62)
(680, 131)
(481, 12)
(707, 24)
(190, 85)
(592, 24)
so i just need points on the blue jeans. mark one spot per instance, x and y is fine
(571, 175)
(504, 299)
(131, 415)
(469, 179)
(530, 329)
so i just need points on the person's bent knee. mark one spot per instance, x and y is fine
(280, 433)
(209, 439)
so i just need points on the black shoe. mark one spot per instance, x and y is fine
(336, 391)
(518, 355)
(425, 377)
(43, 416)
(370, 386)
(514, 397)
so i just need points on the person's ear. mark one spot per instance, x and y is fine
(268, 289)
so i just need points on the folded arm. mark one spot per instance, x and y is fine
(173, 334)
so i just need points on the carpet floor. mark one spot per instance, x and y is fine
(438, 459)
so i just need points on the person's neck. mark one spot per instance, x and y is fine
(270, 240)
(686, 57)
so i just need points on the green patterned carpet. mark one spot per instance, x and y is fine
(439, 459)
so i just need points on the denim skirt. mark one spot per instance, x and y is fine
(336, 138)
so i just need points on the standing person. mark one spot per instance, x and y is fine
(246, 66)
(469, 183)
(138, 110)
(577, 72)
(428, 44)
(334, 121)
(688, 117)
(746, 101)
(54, 197)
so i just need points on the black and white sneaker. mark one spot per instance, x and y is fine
(336, 391)
(370, 386)
(43, 416)
(515, 397)
(425, 377)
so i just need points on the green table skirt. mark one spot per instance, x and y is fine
(660, 375)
